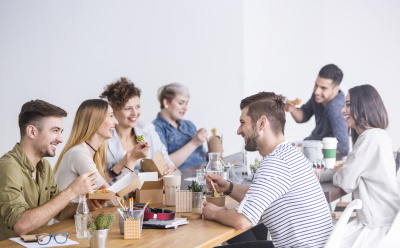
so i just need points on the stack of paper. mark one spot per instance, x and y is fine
(154, 223)
(52, 243)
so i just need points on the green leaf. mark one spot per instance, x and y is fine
(195, 187)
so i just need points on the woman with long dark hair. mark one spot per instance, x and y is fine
(369, 172)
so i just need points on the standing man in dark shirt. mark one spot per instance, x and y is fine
(325, 103)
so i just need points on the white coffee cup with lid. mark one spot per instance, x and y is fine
(329, 146)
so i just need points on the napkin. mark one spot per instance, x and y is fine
(52, 243)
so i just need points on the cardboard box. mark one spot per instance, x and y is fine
(215, 144)
(157, 164)
(150, 189)
(122, 187)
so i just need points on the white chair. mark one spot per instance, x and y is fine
(335, 238)
(392, 237)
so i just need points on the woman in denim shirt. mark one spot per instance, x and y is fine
(124, 152)
(184, 143)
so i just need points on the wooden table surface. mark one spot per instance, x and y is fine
(198, 233)
(331, 192)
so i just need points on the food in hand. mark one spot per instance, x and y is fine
(101, 191)
(103, 221)
(297, 101)
(256, 164)
(139, 139)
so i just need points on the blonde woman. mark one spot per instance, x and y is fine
(124, 152)
(181, 137)
(86, 147)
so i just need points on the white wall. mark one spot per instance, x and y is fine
(64, 52)
(287, 42)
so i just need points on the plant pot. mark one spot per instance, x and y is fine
(219, 201)
(98, 238)
(197, 203)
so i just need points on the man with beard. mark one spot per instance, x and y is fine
(285, 194)
(325, 104)
(29, 196)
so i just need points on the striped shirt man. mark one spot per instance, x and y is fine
(286, 196)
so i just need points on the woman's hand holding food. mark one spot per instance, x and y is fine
(200, 136)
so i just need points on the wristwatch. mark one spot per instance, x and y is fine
(112, 173)
(229, 191)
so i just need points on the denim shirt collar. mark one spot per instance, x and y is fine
(165, 122)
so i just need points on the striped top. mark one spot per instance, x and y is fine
(287, 197)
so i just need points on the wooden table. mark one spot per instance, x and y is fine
(198, 233)
(331, 192)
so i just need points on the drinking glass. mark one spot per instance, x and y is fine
(200, 173)
(237, 174)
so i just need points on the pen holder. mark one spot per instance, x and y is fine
(132, 229)
(183, 201)
(124, 216)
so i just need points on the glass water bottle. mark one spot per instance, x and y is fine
(82, 218)
(214, 164)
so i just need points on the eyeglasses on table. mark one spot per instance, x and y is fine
(44, 239)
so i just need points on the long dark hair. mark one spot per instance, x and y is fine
(367, 109)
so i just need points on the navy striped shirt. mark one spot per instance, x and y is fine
(287, 197)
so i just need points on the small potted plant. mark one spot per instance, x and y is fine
(254, 167)
(197, 195)
(99, 230)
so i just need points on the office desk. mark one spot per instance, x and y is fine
(198, 233)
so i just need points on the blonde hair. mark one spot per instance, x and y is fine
(89, 117)
(169, 91)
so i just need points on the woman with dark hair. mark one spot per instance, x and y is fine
(124, 148)
(370, 171)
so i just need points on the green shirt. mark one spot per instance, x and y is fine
(19, 191)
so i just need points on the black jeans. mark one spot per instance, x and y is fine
(250, 244)
(256, 233)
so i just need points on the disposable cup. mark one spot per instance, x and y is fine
(329, 145)
(172, 184)
(219, 201)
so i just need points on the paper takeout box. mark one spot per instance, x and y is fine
(215, 144)
(157, 164)
(150, 189)
(122, 187)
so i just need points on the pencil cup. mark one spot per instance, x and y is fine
(123, 216)
(132, 229)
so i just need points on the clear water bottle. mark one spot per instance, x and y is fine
(82, 218)
(245, 165)
(214, 164)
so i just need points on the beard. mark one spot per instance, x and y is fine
(45, 150)
(251, 144)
